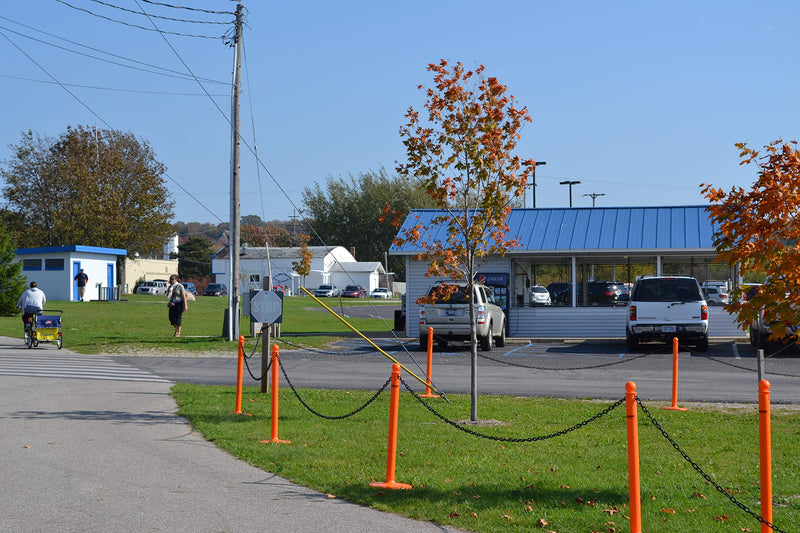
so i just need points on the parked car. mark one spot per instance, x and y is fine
(152, 287)
(715, 296)
(216, 289)
(761, 328)
(354, 291)
(560, 293)
(664, 307)
(380, 292)
(604, 293)
(449, 316)
(189, 287)
(540, 295)
(326, 291)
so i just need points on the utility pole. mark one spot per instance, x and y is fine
(594, 196)
(233, 241)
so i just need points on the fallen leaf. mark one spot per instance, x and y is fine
(668, 510)
(579, 499)
(698, 495)
(331, 496)
(26, 446)
(475, 515)
(722, 518)
(564, 487)
(508, 517)
(454, 514)
(541, 522)
(612, 511)
(448, 480)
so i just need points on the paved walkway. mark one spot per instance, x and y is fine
(103, 455)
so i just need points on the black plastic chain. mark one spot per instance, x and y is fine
(325, 352)
(590, 367)
(705, 476)
(327, 417)
(510, 439)
(734, 365)
(264, 373)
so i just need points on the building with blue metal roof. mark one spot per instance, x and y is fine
(586, 258)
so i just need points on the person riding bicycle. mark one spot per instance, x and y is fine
(31, 302)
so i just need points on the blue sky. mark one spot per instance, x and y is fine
(640, 101)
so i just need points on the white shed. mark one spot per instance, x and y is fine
(54, 268)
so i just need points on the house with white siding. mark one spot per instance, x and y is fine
(572, 250)
(329, 264)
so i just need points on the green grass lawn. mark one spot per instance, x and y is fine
(139, 323)
(577, 482)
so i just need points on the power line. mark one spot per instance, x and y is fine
(113, 89)
(136, 25)
(189, 8)
(178, 74)
(73, 95)
(159, 16)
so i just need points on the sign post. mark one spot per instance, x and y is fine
(266, 307)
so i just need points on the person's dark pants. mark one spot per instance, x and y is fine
(176, 314)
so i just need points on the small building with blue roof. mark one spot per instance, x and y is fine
(586, 259)
(54, 268)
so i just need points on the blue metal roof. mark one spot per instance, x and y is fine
(75, 248)
(585, 229)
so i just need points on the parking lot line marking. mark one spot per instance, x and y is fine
(736, 351)
(517, 349)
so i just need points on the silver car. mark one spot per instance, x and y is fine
(449, 316)
(152, 287)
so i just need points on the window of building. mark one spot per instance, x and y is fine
(31, 264)
(54, 264)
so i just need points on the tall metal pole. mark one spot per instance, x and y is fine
(233, 244)
(533, 186)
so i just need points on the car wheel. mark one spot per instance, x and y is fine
(633, 343)
(487, 340)
(702, 344)
(423, 342)
(501, 340)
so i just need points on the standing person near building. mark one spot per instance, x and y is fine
(81, 278)
(31, 302)
(177, 303)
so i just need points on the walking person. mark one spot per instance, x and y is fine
(31, 302)
(177, 303)
(81, 278)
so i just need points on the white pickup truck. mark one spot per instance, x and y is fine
(449, 316)
(664, 307)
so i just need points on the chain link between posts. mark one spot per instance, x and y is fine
(734, 365)
(327, 417)
(510, 439)
(589, 367)
(705, 476)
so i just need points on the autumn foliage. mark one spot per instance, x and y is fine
(758, 230)
(463, 151)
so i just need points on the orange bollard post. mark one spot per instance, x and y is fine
(274, 412)
(428, 393)
(674, 406)
(239, 371)
(765, 445)
(394, 408)
(634, 489)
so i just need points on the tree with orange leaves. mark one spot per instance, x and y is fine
(463, 151)
(759, 231)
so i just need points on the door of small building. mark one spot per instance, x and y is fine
(76, 269)
(110, 275)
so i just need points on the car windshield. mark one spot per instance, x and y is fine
(351, 288)
(149, 284)
(541, 290)
(668, 290)
(214, 287)
(458, 296)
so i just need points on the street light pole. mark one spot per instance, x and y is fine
(533, 185)
(594, 195)
(570, 183)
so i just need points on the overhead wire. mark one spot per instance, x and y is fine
(114, 89)
(136, 25)
(153, 2)
(96, 115)
(160, 16)
(173, 73)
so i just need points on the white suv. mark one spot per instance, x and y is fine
(663, 307)
(449, 317)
